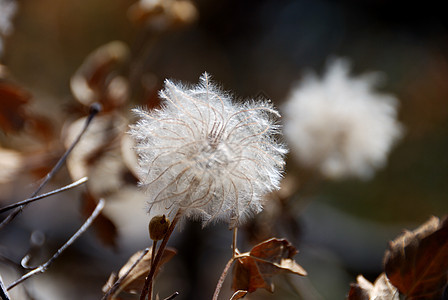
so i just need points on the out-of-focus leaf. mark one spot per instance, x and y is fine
(105, 229)
(255, 269)
(12, 106)
(382, 289)
(135, 280)
(163, 14)
(10, 164)
(14, 115)
(42, 128)
(238, 295)
(417, 261)
(97, 80)
(98, 154)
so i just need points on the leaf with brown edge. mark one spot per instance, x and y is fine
(365, 290)
(255, 269)
(238, 295)
(135, 280)
(98, 154)
(104, 228)
(97, 80)
(12, 106)
(417, 261)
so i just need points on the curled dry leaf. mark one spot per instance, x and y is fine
(97, 80)
(163, 14)
(135, 280)
(382, 289)
(255, 268)
(238, 295)
(417, 261)
(12, 106)
(98, 154)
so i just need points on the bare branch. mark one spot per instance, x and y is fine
(60, 190)
(172, 296)
(3, 293)
(42, 268)
(95, 108)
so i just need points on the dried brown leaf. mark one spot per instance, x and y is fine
(163, 14)
(382, 289)
(238, 295)
(12, 106)
(135, 280)
(104, 228)
(98, 154)
(255, 269)
(96, 79)
(417, 261)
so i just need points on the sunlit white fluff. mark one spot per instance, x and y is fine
(339, 124)
(207, 156)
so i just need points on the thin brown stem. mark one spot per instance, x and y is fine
(222, 278)
(116, 285)
(147, 288)
(234, 248)
(228, 265)
(153, 253)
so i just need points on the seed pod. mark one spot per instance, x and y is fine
(158, 226)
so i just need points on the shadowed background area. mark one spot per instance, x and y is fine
(254, 49)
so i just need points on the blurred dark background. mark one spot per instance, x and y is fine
(254, 47)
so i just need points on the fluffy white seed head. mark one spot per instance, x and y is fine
(339, 124)
(209, 157)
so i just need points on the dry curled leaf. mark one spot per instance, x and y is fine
(12, 106)
(382, 289)
(238, 295)
(135, 280)
(98, 154)
(104, 228)
(97, 80)
(163, 14)
(255, 269)
(417, 261)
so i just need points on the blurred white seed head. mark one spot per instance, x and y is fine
(209, 157)
(339, 124)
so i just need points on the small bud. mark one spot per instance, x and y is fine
(158, 227)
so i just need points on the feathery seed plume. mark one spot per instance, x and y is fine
(206, 156)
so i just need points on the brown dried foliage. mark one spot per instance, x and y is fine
(134, 281)
(98, 79)
(380, 289)
(416, 265)
(417, 261)
(255, 268)
(12, 106)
